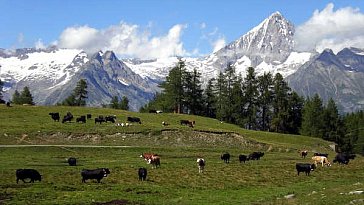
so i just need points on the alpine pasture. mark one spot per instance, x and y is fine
(271, 180)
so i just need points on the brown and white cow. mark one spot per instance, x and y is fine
(322, 160)
(201, 164)
(303, 153)
(152, 159)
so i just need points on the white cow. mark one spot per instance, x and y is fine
(321, 159)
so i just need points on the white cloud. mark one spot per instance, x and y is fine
(331, 29)
(218, 44)
(39, 44)
(20, 38)
(125, 40)
(203, 25)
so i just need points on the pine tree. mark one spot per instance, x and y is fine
(220, 96)
(124, 103)
(1, 91)
(238, 102)
(194, 93)
(250, 98)
(312, 123)
(173, 87)
(330, 121)
(230, 80)
(114, 103)
(26, 97)
(265, 99)
(80, 93)
(210, 99)
(295, 107)
(16, 98)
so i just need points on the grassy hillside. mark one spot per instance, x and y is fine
(270, 180)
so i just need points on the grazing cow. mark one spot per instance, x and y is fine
(142, 173)
(304, 167)
(152, 111)
(322, 160)
(321, 154)
(55, 116)
(201, 164)
(155, 161)
(243, 158)
(88, 116)
(164, 123)
(67, 118)
(343, 158)
(189, 123)
(99, 119)
(97, 174)
(31, 174)
(72, 161)
(110, 118)
(147, 156)
(134, 119)
(225, 157)
(255, 155)
(303, 153)
(82, 119)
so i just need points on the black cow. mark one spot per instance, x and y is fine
(304, 167)
(55, 116)
(304, 153)
(152, 111)
(134, 119)
(343, 158)
(31, 174)
(110, 118)
(142, 173)
(68, 117)
(243, 158)
(187, 122)
(82, 119)
(321, 154)
(72, 161)
(99, 119)
(88, 116)
(255, 155)
(225, 157)
(97, 174)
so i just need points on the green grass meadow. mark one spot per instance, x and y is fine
(267, 181)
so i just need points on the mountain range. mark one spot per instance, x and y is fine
(52, 73)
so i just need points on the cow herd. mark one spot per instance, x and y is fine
(321, 158)
(155, 160)
(98, 120)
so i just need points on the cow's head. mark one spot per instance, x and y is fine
(106, 171)
(313, 167)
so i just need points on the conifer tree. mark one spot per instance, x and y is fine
(265, 99)
(114, 103)
(210, 99)
(124, 103)
(312, 123)
(194, 93)
(250, 98)
(16, 98)
(220, 96)
(80, 93)
(26, 97)
(1, 91)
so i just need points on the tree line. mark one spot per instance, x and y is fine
(254, 102)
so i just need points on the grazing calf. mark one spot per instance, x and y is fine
(322, 160)
(201, 164)
(189, 123)
(88, 116)
(31, 174)
(142, 173)
(134, 119)
(255, 155)
(72, 161)
(243, 158)
(82, 119)
(54, 116)
(68, 117)
(225, 157)
(164, 123)
(97, 174)
(307, 168)
(303, 153)
(155, 161)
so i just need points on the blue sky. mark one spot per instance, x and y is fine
(183, 27)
